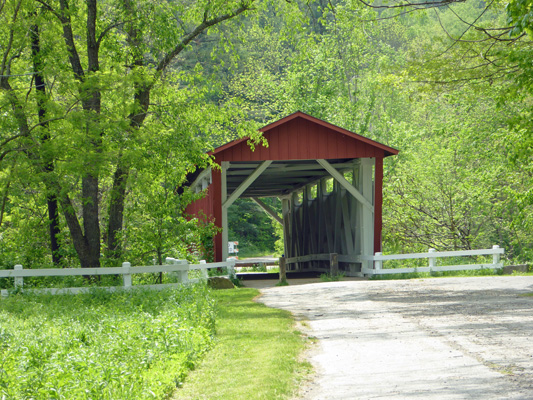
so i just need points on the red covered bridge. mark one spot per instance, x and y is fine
(328, 179)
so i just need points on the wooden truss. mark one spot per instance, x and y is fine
(328, 206)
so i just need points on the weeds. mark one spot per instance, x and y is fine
(125, 345)
(327, 277)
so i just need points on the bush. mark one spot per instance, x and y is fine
(127, 345)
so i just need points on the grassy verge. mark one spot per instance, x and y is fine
(124, 345)
(438, 274)
(255, 356)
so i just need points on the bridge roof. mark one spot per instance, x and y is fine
(300, 136)
(294, 143)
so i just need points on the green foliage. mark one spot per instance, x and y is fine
(256, 232)
(283, 282)
(125, 345)
(520, 16)
(327, 277)
(112, 129)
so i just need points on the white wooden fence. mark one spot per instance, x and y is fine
(180, 268)
(373, 264)
(378, 259)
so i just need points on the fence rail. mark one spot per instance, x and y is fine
(179, 267)
(432, 256)
(373, 264)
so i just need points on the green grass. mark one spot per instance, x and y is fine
(252, 252)
(438, 274)
(256, 355)
(260, 268)
(125, 345)
(327, 277)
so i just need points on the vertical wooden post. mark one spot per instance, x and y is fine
(204, 270)
(282, 270)
(126, 275)
(496, 257)
(231, 268)
(334, 264)
(378, 203)
(216, 192)
(367, 218)
(184, 274)
(19, 280)
(378, 264)
(285, 210)
(432, 261)
(224, 195)
(296, 234)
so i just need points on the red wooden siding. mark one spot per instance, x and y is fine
(217, 209)
(203, 205)
(300, 139)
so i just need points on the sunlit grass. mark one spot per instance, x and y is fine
(256, 355)
(126, 345)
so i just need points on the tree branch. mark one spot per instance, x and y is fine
(107, 30)
(163, 64)
(425, 4)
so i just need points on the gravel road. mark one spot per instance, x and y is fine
(451, 338)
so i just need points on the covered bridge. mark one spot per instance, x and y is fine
(329, 181)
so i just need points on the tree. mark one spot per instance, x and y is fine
(103, 64)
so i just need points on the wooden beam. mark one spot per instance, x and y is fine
(247, 182)
(206, 173)
(347, 225)
(328, 215)
(268, 210)
(345, 184)
(378, 203)
(285, 210)
(247, 169)
(367, 218)
(224, 195)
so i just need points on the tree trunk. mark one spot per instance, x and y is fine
(116, 210)
(48, 165)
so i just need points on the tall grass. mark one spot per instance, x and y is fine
(125, 345)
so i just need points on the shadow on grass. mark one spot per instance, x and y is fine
(256, 355)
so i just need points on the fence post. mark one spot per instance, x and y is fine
(183, 275)
(126, 274)
(282, 270)
(333, 264)
(378, 264)
(432, 263)
(205, 275)
(19, 280)
(495, 257)
(231, 268)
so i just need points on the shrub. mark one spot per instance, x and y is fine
(128, 345)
